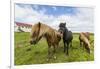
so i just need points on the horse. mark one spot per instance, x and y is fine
(67, 36)
(52, 36)
(84, 40)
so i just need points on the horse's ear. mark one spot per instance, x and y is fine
(39, 24)
(65, 23)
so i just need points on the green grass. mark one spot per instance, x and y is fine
(38, 52)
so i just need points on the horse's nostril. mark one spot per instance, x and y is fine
(61, 32)
(34, 42)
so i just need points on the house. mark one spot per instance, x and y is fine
(22, 27)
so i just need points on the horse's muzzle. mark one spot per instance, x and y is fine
(32, 42)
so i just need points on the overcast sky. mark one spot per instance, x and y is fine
(78, 19)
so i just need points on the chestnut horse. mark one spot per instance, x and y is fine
(84, 40)
(52, 36)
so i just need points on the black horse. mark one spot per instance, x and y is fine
(67, 36)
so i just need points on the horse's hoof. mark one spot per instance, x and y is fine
(55, 57)
(67, 54)
(47, 60)
(90, 52)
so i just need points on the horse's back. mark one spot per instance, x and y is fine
(85, 34)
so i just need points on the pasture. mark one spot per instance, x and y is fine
(25, 54)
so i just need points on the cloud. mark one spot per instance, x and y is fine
(54, 8)
(36, 7)
(82, 20)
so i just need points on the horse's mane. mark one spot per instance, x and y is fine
(48, 29)
(40, 28)
(35, 29)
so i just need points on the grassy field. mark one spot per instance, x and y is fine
(38, 52)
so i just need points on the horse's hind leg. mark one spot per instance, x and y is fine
(64, 47)
(71, 44)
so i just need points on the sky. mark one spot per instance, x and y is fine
(78, 19)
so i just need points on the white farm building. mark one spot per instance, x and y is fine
(22, 27)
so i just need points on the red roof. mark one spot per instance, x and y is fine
(23, 24)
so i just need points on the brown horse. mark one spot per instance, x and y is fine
(84, 40)
(52, 36)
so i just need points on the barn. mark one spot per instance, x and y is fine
(22, 27)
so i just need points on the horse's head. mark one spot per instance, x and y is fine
(62, 27)
(34, 38)
(62, 24)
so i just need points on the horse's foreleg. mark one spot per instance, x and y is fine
(80, 43)
(49, 53)
(67, 49)
(84, 46)
(54, 52)
(88, 50)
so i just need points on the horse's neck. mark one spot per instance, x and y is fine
(87, 42)
(66, 31)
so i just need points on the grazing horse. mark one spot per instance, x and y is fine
(84, 40)
(67, 36)
(52, 36)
